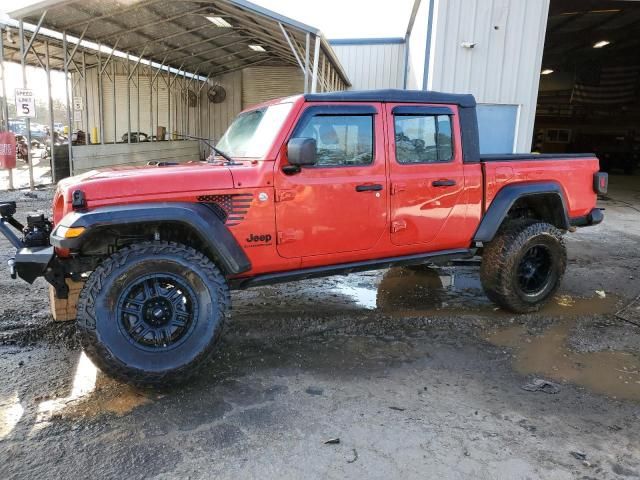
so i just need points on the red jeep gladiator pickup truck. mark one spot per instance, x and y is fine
(301, 187)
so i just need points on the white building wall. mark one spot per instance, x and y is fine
(503, 68)
(373, 65)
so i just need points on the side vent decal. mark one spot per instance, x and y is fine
(234, 206)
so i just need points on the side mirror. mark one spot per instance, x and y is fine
(302, 151)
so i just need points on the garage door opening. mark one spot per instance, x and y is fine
(589, 96)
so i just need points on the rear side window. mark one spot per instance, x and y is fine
(342, 140)
(423, 138)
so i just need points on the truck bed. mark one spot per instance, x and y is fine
(573, 173)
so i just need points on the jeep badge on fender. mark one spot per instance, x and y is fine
(259, 238)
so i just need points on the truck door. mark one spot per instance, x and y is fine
(426, 175)
(340, 203)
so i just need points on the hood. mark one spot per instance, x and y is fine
(126, 182)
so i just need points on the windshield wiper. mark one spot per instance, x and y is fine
(230, 161)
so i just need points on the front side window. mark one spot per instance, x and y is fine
(252, 133)
(423, 138)
(342, 140)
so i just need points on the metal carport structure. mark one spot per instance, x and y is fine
(185, 45)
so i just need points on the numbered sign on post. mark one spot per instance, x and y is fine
(7, 150)
(25, 103)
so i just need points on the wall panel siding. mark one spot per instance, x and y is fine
(216, 117)
(260, 84)
(504, 66)
(372, 66)
(90, 157)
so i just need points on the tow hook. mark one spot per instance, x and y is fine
(12, 268)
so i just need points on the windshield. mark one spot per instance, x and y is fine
(252, 133)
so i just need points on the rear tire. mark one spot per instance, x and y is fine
(523, 265)
(152, 313)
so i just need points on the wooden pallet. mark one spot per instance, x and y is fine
(64, 309)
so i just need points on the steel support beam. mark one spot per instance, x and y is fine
(306, 62)
(52, 135)
(295, 53)
(24, 85)
(316, 58)
(66, 88)
(5, 103)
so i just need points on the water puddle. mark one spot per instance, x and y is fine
(613, 373)
(429, 291)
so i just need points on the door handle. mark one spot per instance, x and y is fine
(443, 183)
(369, 188)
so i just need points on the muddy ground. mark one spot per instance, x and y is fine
(415, 372)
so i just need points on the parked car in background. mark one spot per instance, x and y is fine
(19, 127)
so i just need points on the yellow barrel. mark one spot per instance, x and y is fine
(65, 130)
(94, 135)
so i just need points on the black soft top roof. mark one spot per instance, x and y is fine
(390, 95)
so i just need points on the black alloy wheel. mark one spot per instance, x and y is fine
(535, 270)
(152, 313)
(157, 311)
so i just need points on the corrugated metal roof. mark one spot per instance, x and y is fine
(179, 34)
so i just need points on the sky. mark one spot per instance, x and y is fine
(335, 18)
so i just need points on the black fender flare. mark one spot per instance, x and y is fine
(507, 196)
(200, 218)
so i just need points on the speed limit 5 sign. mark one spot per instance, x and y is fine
(25, 103)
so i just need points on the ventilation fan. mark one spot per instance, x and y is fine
(216, 94)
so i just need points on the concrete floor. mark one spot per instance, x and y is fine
(415, 372)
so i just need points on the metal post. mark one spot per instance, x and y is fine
(100, 99)
(5, 105)
(86, 98)
(113, 90)
(128, 100)
(52, 135)
(150, 102)
(66, 88)
(306, 62)
(23, 56)
(316, 57)
(138, 104)
(169, 82)
(157, 108)
(209, 134)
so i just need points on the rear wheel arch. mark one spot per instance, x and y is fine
(543, 202)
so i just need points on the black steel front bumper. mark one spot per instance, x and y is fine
(28, 263)
(594, 217)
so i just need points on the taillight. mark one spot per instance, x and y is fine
(600, 182)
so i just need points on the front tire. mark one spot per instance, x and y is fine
(523, 265)
(152, 313)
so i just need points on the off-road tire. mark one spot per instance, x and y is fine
(502, 257)
(105, 341)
